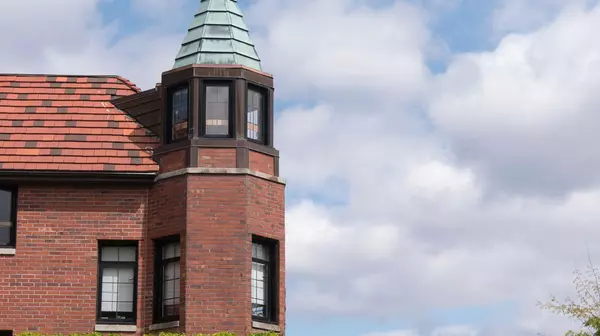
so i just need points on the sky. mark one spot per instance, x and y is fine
(439, 154)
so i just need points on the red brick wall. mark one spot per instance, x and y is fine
(223, 213)
(166, 217)
(173, 160)
(261, 162)
(266, 218)
(216, 157)
(218, 265)
(50, 284)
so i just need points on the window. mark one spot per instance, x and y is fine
(117, 282)
(166, 307)
(217, 110)
(6, 333)
(255, 116)
(179, 113)
(8, 217)
(263, 281)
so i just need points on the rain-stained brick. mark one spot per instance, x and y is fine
(38, 123)
(31, 144)
(30, 109)
(17, 123)
(71, 123)
(47, 103)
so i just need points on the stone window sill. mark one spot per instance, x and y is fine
(265, 326)
(162, 326)
(7, 251)
(116, 328)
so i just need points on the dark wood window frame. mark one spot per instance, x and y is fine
(13, 216)
(159, 263)
(271, 294)
(231, 113)
(169, 112)
(117, 264)
(264, 122)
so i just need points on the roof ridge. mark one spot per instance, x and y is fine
(130, 84)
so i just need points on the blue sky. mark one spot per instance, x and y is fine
(442, 174)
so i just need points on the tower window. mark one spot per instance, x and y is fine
(264, 282)
(217, 110)
(179, 113)
(255, 115)
(167, 284)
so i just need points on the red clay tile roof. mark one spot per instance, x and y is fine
(67, 123)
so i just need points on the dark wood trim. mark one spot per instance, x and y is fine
(14, 176)
(240, 108)
(197, 98)
(270, 118)
(242, 157)
(144, 97)
(193, 153)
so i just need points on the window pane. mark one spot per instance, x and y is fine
(171, 251)
(118, 253)
(259, 289)
(179, 113)
(125, 293)
(127, 253)
(254, 115)
(5, 206)
(217, 110)
(5, 235)
(260, 251)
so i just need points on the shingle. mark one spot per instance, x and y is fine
(86, 137)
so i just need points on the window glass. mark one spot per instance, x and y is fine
(117, 272)
(261, 281)
(6, 217)
(179, 113)
(169, 285)
(217, 110)
(254, 115)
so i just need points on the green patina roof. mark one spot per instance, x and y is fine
(218, 35)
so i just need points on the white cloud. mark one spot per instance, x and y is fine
(523, 114)
(70, 37)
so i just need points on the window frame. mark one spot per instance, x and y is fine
(272, 294)
(231, 108)
(157, 286)
(265, 113)
(13, 216)
(104, 264)
(169, 112)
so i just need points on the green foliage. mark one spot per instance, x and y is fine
(159, 334)
(586, 308)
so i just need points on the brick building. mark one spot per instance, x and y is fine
(134, 211)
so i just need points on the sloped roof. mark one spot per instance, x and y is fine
(218, 35)
(67, 123)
